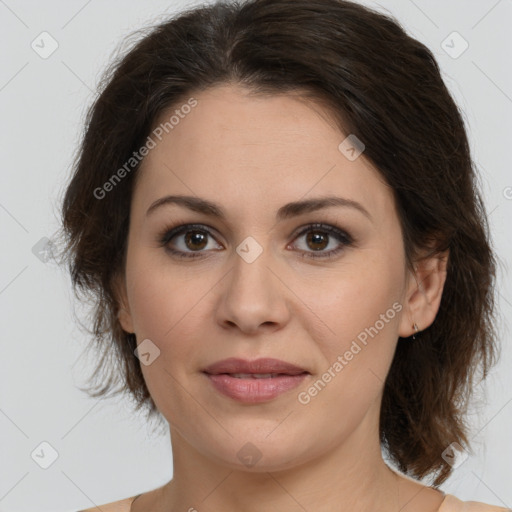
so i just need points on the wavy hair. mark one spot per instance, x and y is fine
(381, 85)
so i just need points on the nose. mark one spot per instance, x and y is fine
(253, 297)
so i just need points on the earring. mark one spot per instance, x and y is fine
(415, 331)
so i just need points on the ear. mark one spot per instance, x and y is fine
(124, 314)
(423, 296)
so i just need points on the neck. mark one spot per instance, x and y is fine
(349, 476)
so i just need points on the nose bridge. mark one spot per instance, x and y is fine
(251, 274)
(252, 295)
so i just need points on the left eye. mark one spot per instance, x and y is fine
(196, 239)
(319, 237)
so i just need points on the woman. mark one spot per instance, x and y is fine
(275, 206)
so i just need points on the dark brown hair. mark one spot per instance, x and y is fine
(381, 85)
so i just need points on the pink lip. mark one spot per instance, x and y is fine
(252, 390)
(262, 365)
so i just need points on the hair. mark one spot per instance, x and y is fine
(381, 85)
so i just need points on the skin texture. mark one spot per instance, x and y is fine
(251, 155)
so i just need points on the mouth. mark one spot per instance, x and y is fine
(258, 375)
(263, 367)
(254, 389)
(254, 382)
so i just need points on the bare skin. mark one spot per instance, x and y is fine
(251, 155)
(411, 497)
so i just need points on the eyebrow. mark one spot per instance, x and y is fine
(287, 211)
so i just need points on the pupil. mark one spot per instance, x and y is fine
(316, 239)
(196, 237)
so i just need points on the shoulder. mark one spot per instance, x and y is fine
(115, 506)
(453, 504)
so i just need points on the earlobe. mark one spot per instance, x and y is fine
(424, 293)
(125, 320)
(123, 314)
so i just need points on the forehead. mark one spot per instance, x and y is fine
(233, 146)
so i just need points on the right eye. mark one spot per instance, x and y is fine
(192, 244)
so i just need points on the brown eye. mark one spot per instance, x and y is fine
(187, 241)
(191, 241)
(320, 236)
(316, 240)
(195, 240)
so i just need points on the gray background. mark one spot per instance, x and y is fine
(105, 452)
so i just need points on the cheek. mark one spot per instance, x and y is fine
(361, 311)
(357, 361)
(157, 297)
(167, 307)
(166, 310)
(352, 297)
(151, 305)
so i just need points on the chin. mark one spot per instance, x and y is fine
(260, 453)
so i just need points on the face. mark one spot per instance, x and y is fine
(324, 289)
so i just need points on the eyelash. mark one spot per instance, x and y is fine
(170, 232)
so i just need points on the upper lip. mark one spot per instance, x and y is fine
(262, 365)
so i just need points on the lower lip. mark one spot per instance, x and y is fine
(254, 390)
